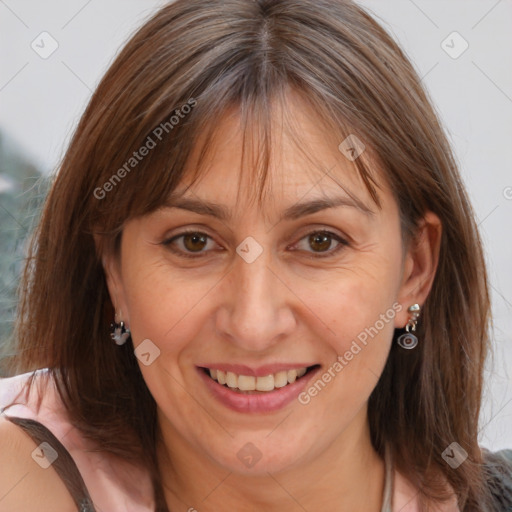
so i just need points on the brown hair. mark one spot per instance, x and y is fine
(219, 55)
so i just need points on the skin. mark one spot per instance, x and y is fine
(286, 306)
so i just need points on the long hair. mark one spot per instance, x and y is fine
(188, 65)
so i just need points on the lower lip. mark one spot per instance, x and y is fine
(259, 403)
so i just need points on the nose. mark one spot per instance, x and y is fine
(256, 306)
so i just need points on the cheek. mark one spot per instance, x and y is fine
(359, 298)
(361, 326)
(359, 308)
(161, 303)
(165, 308)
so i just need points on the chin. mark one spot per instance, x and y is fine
(259, 457)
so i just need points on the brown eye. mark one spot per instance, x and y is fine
(195, 242)
(190, 244)
(320, 244)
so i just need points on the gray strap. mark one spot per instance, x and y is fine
(64, 464)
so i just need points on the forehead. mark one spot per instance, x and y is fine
(305, 162)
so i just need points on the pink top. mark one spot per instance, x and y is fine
(109, 480)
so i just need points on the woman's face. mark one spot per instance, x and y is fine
(260, 293)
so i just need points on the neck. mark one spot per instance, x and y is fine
(349, 475)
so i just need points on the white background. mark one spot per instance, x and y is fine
(42, 99)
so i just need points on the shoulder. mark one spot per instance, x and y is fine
(80, 463)
(25, 485)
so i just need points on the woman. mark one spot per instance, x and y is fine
(257, 282)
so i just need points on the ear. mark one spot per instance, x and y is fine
(420, 265)
(111, 263)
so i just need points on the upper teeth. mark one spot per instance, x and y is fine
(251, 383)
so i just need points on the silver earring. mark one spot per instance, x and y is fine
(119, 333)
(409, 340)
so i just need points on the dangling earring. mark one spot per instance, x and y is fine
(409, 340)
(119, 333)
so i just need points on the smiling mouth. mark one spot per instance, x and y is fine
(249, 385)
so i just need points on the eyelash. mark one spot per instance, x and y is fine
(341, 243)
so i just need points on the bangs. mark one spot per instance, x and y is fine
(263, 118)
(263, 123)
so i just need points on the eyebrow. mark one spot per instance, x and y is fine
(293, 212)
